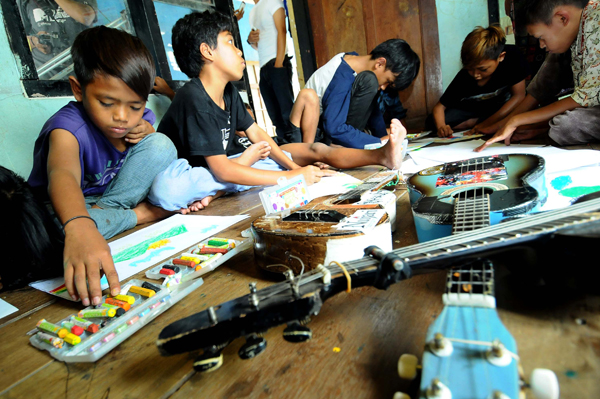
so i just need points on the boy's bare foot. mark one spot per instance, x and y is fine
(147, 212)
(200, 204)
(392, 150)
(254, 153)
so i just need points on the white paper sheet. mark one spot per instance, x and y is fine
(6, 308)
(144, 248)
(332, 185)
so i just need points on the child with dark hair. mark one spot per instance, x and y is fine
(208, 110)
(488, 87)
(30, 241)
(562, 26)
(87, 162)
(340, 99)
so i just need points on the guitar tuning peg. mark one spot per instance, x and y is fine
(401, 395)
(544, 384)
(254, 345)
(295, 333)
(407, 366)
(209, 361)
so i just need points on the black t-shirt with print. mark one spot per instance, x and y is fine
(464, 93)
(199, 127)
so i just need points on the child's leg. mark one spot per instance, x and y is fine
(390, 155)
(180, 185)
(578, 126)
(305, 115)
(121, 208)
(362, 100)
(144, 161)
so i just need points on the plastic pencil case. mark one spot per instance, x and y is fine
(203, 264)
(114, 330)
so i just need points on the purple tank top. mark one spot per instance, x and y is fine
(100, 160)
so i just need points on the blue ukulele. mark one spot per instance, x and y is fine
(501, 186)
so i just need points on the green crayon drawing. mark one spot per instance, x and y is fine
(575, 192)
(142, 247)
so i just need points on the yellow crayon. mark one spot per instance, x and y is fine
(142, 291)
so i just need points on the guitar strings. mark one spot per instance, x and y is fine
(547, 221)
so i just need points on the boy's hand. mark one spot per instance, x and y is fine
(445, 131)
(503, 134)
(136, 134)
(313, 174)
(254, 36)
(162, 87)
(87, 255)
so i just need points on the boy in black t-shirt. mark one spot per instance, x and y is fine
(207, 111)
(489, 87)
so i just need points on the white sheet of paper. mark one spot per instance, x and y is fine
(6, 308)
(132, 253)
(332, 185)
(564, 187)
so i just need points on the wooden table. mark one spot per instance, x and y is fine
(371, 328)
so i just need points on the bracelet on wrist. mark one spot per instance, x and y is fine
(79, 217)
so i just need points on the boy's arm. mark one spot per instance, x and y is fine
(439, 117)
(86, 251)
(229, 171)
(527, 104)
(256, 134)
(279, 19)
(539, 115)
(517, 92)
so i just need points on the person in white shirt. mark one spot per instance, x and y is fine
(268, 37)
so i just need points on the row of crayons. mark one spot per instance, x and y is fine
(200, 257)
(71, 329)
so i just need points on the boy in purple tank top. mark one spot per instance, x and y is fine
(94, 159)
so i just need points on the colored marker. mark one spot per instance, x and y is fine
(48, 327)
(72, 339)
(183, 262)
(120, 311)
(208, 262)
(85, 324)
(50, 339)
(122, 304)
(74, 329)
(127, 298)
(141, 291)
(85, 313)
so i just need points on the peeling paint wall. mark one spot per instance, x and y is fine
(22, 118)
(456, 18)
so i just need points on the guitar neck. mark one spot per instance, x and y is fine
(438, 254)
(471, 213)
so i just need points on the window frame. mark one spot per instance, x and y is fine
(145, 22)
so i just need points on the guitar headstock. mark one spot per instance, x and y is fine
(469, 353)
(292, 302)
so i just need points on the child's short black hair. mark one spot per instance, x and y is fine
(113, 52)
(529, 12)
(400, 59)
(193, 30)
(31, 243)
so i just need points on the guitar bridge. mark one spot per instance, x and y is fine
(325, 216)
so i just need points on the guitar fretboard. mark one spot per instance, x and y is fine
(471, 213)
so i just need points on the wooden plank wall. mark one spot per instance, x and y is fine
(360, 25)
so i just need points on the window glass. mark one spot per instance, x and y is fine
(52, 25)
(168, 13)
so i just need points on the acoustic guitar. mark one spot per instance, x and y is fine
(315, 232)
(300, 297)
(490, 188)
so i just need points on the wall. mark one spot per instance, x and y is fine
(21, 118)
(456, 18)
